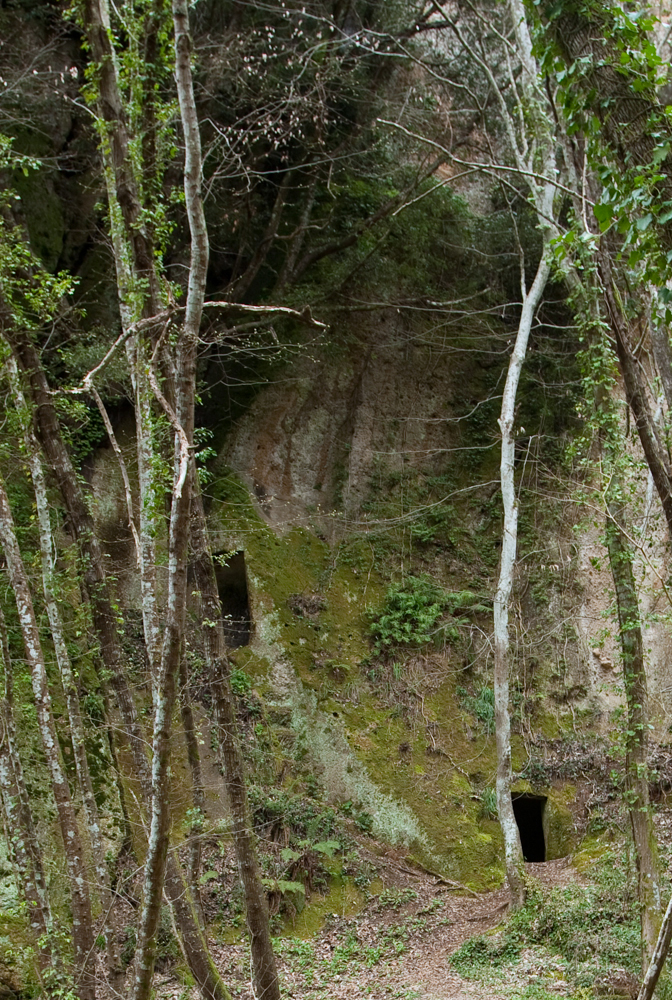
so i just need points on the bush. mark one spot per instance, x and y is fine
(410, 614)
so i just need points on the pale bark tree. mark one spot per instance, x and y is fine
(68, 682)
(658, 957)
(519, 98)
(118, 174)
(20, 829)
(78, 878)
(512, 848)
(182, 422)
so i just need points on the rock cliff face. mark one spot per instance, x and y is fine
(370, 458)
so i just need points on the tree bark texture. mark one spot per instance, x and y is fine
(21, 835)
(655, 450)
(265, 976)
(636, 765)
(105, 621)
(178, 538)
(512, 848)
(68, 683)
(82, 932)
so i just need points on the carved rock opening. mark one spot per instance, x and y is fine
(529, 813)
(232, 586)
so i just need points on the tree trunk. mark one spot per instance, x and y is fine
(47, 550)
(654, 448)
(265, 976)
(82, 932)
(198, 792)
(512, 848)
(106, 623)
(178, 539)
(22, 841)
(658, 957)
(636, 765)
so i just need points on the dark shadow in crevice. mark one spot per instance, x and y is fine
(529, 813)
(232, 587)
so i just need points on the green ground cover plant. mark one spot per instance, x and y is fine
(592, 929)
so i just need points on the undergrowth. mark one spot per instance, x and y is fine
(592, 929)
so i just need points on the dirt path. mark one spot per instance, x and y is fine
(423, 970)
(397, 948)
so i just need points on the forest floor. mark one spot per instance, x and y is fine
(399, 947)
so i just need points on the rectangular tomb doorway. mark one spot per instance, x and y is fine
(232, 587)
(529, 813)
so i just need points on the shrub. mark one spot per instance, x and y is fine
(410, 614)
(241, 683)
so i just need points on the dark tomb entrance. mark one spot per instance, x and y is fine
(232, 587)
(529, 813)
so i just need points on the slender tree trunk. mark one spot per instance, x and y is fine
(22, 839)
(636, 765)
(512, 848)
(658, 957)
(80, 521)
(198, 792)
(265, 976)
(178, 540)
(106, 624)
(65, 668)
(83, 941)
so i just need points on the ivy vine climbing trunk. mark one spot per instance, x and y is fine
(182, 423)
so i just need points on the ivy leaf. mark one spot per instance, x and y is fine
(644, 221)
(604, 214)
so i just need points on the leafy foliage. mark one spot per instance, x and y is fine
(410, 613)
(481, 705)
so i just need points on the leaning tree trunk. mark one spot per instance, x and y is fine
(82, 924)
(660, 952)
(512, 848)
(636, 746)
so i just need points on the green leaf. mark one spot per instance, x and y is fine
(208, 876)
(328, 847)
(644, 222)
(604, 214)
(287, 854)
